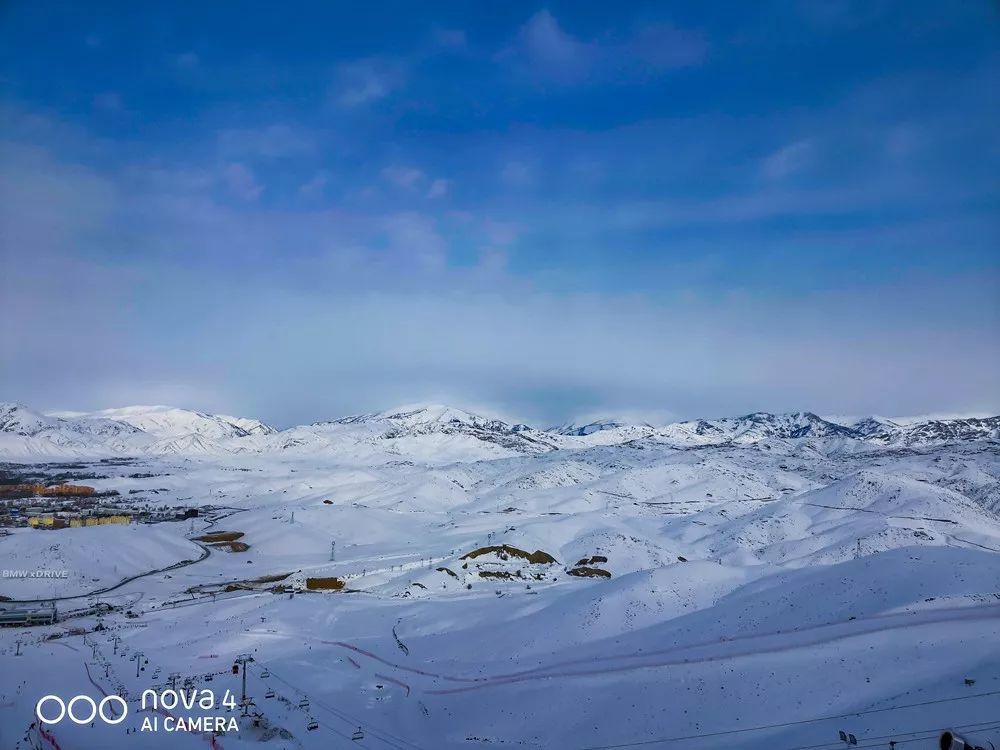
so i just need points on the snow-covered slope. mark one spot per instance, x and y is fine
(169, 422)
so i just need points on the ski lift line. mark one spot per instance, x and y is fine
(393, 742)
(380, 734)
(880, 739)
(342, 717)
(934, 736)
(642, 743)
(339, 734)
(870, 742)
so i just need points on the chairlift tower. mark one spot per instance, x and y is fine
(140, 662)
(333, 550)
(241, 661)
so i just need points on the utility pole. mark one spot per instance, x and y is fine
(18, 651)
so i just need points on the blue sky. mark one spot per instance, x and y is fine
(547, 211)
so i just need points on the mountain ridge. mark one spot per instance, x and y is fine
(423, 429)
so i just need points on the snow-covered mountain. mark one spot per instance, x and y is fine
(24, 432)
(432, 432)
(731, 560)
(440, 434)
(170, 422)
(759, 426)
(589, 428)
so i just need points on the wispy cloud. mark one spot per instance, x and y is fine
(347, 281)
(663, 46)
(271, 141)
(544, 50)
(516, 173)
(367, 80)
(438, 188)
(316, 185)
(414, 241)
(403, 177)
(242, 182)
(788, 160)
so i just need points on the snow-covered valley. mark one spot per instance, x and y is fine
(430, 578)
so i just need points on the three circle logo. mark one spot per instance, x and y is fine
(62, 709)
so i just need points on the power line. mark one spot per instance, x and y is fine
(640, 743)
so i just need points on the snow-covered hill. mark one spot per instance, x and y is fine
(510, 587)
(440, 434)
(608, 423)
(169, 422)
(24, 432)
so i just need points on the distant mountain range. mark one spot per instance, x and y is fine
(438, 433)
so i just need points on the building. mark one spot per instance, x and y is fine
(21, 616)
(53, 521)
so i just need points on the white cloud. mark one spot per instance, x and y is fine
(272, 141)
(500, 233)
(438, 188)
(403, 177)
(664, 46)
(543, 48)
(315, 187)
(399, 319)
(241, 182)
(366, 81)
(414, 241)
(516, 174)
(788, 160)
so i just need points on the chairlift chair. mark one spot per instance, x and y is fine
(269, 694)
(358, 735)
(304, 703)
(313, 724)
(265, 674)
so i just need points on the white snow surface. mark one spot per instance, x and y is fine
(758, 575)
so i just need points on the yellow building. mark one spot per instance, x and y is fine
(58, 522)
(46, 522)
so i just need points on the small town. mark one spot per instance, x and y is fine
(61, 506)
